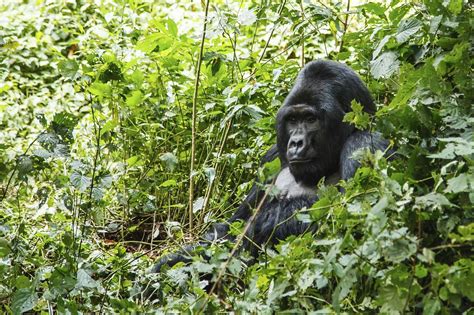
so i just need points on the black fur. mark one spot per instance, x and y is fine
(323, 90)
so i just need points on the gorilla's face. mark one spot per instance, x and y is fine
(310, 141)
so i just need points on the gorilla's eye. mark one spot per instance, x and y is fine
(292, 119)
(311, 119)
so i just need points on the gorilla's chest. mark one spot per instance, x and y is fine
(289, 188)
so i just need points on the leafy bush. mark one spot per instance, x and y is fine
(96, 117)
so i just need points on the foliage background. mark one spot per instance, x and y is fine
(96, 105)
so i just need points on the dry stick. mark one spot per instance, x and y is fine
(236, 246)
(193, 125)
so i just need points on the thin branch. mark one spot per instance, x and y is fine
(302, 41)
(236, 246)
(193, 125)
(5, 190)
(346, 21)
(216, 163)
(280, 9)
(97, 130)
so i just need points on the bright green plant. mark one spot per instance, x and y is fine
(96, 103)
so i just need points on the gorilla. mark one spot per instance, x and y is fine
(313, 143)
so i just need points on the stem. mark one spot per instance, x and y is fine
(97, 129)
(345, 24)
(280, 9)
(193, 125)
(219, 154)
(5, 190)
(302, 37)
(238, 241)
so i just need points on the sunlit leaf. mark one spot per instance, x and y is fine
(84, 280)
(406, 29)
(23, 300)
(80, 181)
(385, 65)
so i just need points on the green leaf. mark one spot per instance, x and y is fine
(22, 282)
(455, 147)
(25, 165)
(385, 65)
(433, 200)
(101, 89)
(357, 117)
(149, 43)
(80, 181)
(431, 306)
(24, 300)
(420, 271)
(271, 168)
(464, 280)
(391, 299)
(406, 29)
(68, 68)
(398, 247)
(4, 247)
(170, 161)
(455, 6)
(137, 77)
(84, 280)
(172, 27)
(169, 183)
(109, 126)
(131, 161)
(306, 279)
(375, 8)
(463, 182)
(134, 99)
(97, 193)
(198, 204)
(380, 45)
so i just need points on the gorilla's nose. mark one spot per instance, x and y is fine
(296, 147)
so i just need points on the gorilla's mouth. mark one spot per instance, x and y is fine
(301, 161)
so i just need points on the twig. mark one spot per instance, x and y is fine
(5, 190)
(345, 24)
(236, 247)
(219, 154)
(302, 41)
(193, 125)
(280, 9)
(97, 130)
(445, 246)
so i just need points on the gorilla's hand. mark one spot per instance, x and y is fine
(216, 232)
(172, 259)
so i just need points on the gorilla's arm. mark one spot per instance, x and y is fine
(216, 232)
(256, 193)
(360, 140)
(220, 230)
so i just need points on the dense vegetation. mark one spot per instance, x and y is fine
(98, 133)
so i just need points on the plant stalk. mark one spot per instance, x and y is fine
(193, 125)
